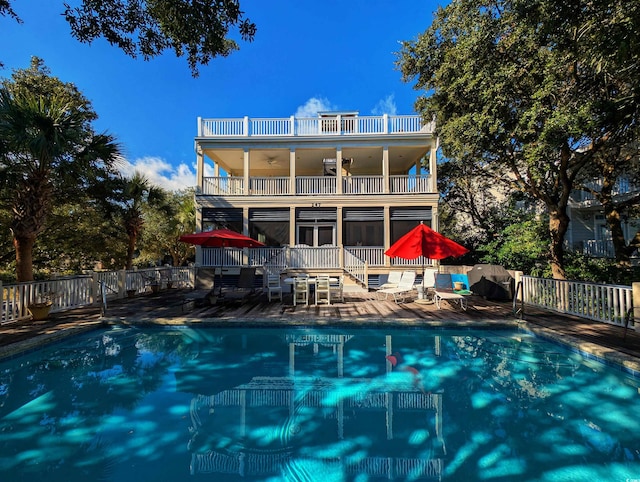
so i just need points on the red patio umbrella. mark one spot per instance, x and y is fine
(424, 241)
(221, 238)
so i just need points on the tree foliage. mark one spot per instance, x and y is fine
(527, 92)
(160, 239)
(200, 30)
(49, 153)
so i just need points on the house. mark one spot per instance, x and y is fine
(331, 192)
(588, 231)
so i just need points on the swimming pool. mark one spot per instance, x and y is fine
(130, 404)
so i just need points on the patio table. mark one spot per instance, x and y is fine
(312, 283)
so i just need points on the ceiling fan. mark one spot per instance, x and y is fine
(272, 161)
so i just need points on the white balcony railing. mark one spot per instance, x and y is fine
(372, 255)
(598, 248)
(405, 184)
(223, 186)
(316, 126)
(269, 186)
(363, 185)
(312, 185)
(315, 185)
(622, 186)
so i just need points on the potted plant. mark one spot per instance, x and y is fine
(41, 306)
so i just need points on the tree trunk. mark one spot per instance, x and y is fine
(558, 225)
(24, 257)
(131, 248)
(611, 214)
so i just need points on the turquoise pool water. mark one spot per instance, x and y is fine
(131, 404)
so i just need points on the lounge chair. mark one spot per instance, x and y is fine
(444, 291)
(404, 286)
(244, 287)
(392, 280)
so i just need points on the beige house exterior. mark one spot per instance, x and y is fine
(331, 192)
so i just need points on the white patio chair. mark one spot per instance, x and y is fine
(300, 290)
(392, 280)
(274, 288)
(323, 289)
(336, 286)
(404, 287)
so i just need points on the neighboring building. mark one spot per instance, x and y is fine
(588, 231)
(330, 192)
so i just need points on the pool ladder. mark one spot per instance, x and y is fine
(516, 310)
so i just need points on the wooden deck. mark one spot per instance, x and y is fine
(358, 309)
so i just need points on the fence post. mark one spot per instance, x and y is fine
(1, 302)
(635, 294)
(95, 287)
(122, 283)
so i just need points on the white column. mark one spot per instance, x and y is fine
(245, 168)
(433, 166)
(387, 234)
(292, 226)
(385, 169)
(339, 170)
(199, 170)
(339, 234)
(635, 293)
(245, 220)
(292, 171)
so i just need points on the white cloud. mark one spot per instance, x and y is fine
(385, 106)
(313, 106)
(161, 173)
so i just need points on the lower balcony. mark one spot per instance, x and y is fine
(314, 185)
(355, 260)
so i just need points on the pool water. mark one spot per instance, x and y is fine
(128, 404)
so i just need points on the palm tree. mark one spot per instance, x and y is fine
(47, 148)
(137, 191)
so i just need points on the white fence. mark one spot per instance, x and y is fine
(78, 291)
(607, 303)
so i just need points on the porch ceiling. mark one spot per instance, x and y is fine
(367, 160)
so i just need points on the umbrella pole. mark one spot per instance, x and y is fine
(423, 300)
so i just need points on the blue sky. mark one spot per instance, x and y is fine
(308, 55)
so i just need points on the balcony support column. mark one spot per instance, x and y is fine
(292, 172)
(387, 234)
(635, 293)
(385, 170)
(339, 170)
(245, 231)
(433, 169)
(199, 169)
(339, 236)
(292, 226)
(245, 168)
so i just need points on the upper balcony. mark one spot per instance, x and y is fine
(623, 187)
(347, 124)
